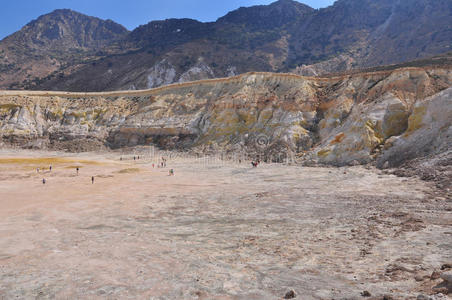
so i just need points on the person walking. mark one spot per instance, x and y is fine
(50, 168)
(77, 169)
(44, 181)
(92, 179)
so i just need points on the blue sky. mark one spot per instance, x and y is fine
(131, 13)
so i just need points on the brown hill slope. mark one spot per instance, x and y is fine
(281, 37)
(51, 42)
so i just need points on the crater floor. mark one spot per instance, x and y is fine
(216, 229)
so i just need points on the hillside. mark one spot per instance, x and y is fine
(53, 42)
(285, 36)
(343, 120)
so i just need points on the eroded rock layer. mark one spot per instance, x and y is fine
(387, 116)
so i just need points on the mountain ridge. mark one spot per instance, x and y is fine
(53, 41)
(284, 36)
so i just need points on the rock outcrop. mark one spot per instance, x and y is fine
(429, 131)
(385, 116)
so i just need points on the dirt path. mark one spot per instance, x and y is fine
(214, 231)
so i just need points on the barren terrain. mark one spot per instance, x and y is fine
(216, 229)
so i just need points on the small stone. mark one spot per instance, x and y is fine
(446, 266)
(421, 297)
(447, 276)
(365, 294)
(355, 163)
(419, 278)
(387, 297)
(290, 295)
(435, 275)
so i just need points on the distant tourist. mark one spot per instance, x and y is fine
(171, 172)
(37, 170)
(77, 169)
(50, 168)
(43, 181)
(92, 179)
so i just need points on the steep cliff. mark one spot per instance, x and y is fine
(337, 120)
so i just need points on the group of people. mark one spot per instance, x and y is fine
(77, 170)
(161, 164)
(38, 169)
(44, 180)
(135, 157)
(255, 163)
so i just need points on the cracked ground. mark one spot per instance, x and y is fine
(217, 230)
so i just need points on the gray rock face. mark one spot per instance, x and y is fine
(447, 277)
(429, 130)
(197, 72)
(161, 74)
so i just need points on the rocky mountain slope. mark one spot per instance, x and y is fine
(285, 36)
(53, 42)
(384, 116)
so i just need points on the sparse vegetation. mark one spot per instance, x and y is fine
(129, 171)
(46, 161)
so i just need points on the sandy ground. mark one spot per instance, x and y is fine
(214, 231)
